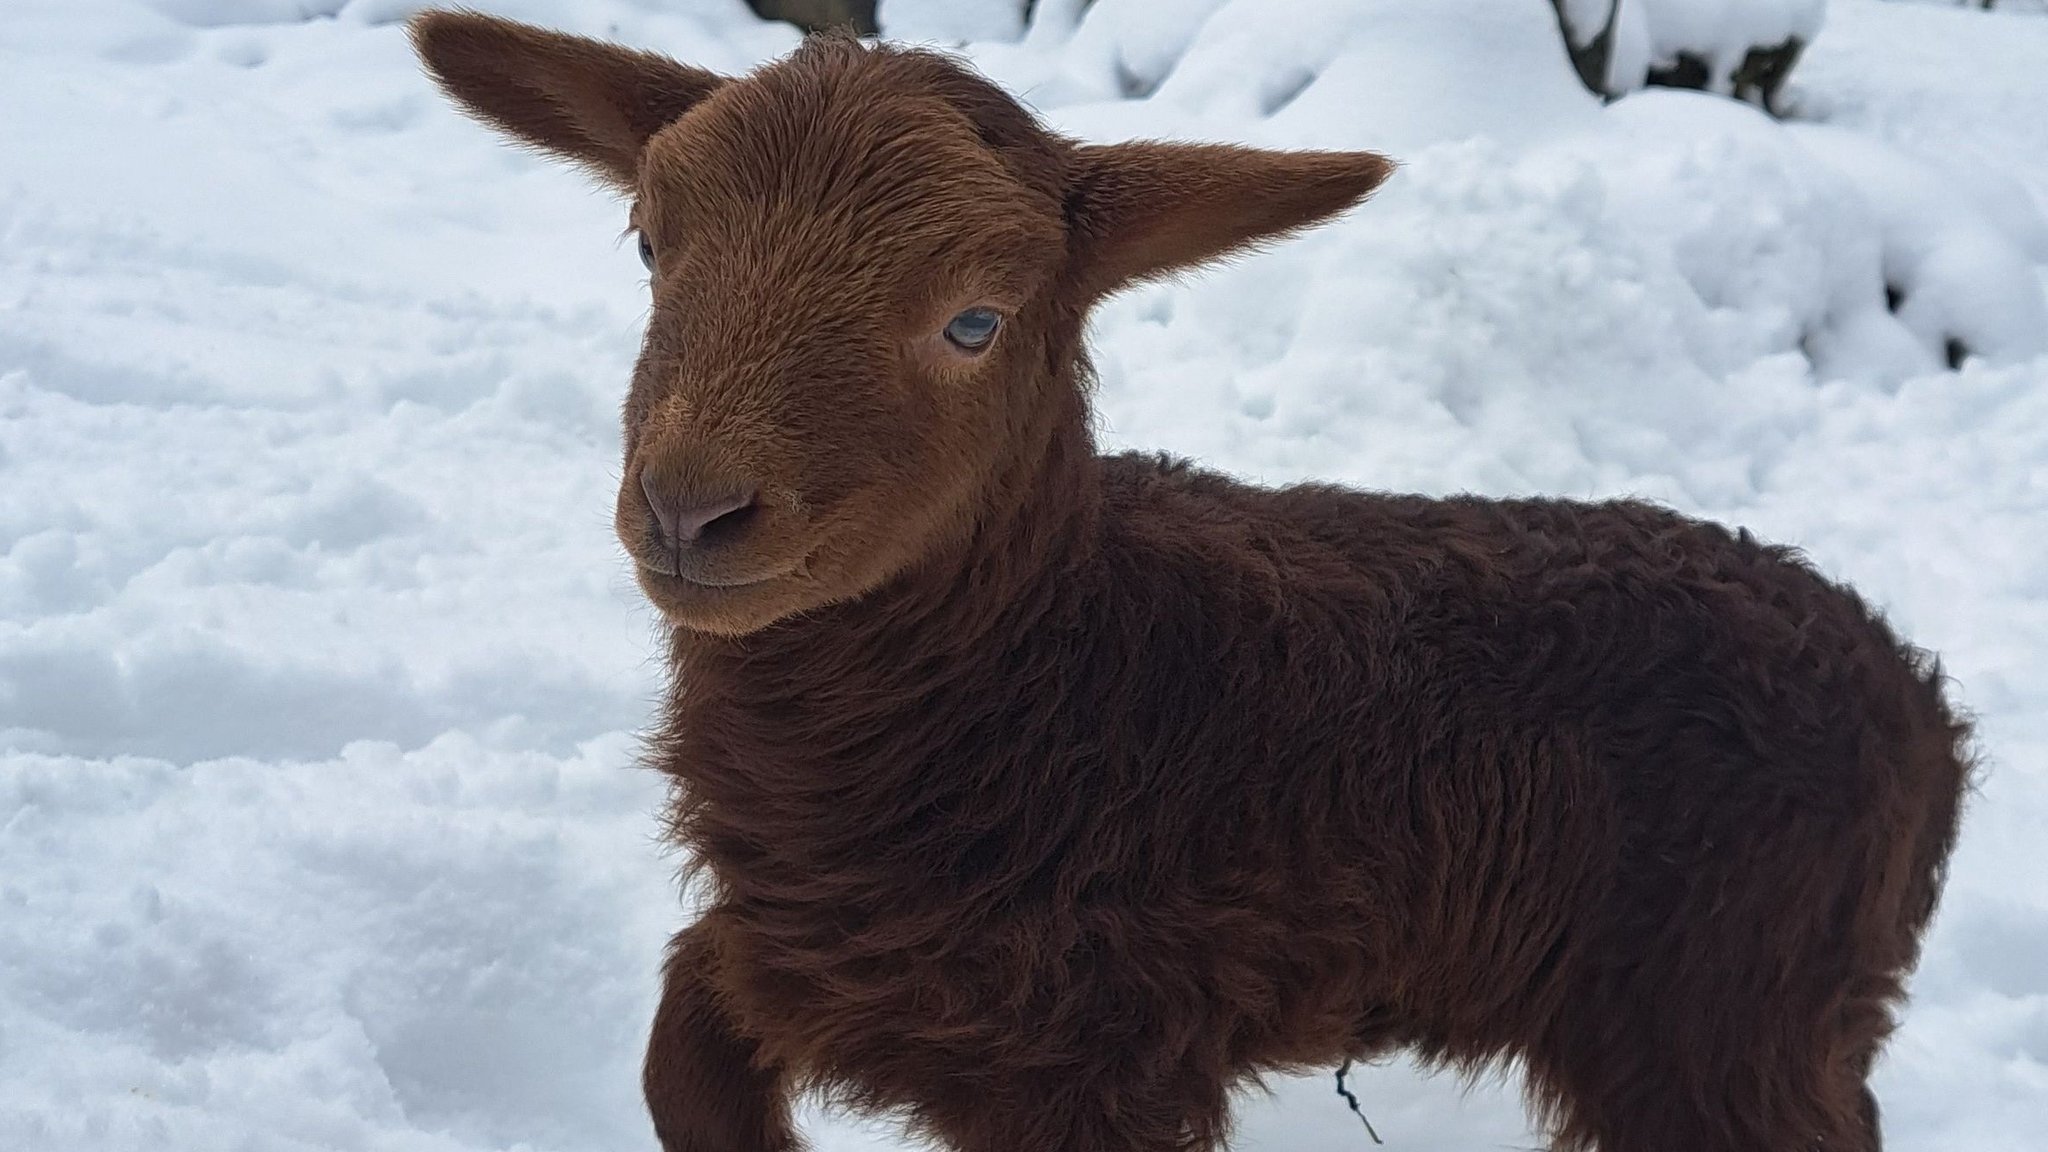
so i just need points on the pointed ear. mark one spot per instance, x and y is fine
(1148, 209)
(581, 99)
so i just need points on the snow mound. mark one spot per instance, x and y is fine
(1738, 47)
(1351, 73)
(1868, 262)
(1960, 279)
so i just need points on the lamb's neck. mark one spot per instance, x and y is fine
(872, 701)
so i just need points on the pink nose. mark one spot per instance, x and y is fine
(689, 518)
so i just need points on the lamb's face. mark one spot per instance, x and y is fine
(848, 295)
(869, 265)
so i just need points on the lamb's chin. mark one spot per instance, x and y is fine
(721, 609)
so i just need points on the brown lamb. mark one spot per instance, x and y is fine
(1048, 796)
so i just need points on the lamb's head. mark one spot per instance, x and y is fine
(870, 269)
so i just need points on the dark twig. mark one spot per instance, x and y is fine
(1352, 1099)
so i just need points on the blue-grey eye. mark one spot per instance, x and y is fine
(972, 330)
(646, 250)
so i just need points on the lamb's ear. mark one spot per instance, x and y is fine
(581, 99)
(1148, 209)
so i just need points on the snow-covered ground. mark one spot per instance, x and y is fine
(319, 668)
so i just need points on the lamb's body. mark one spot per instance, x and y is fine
(1218, 779)
(1049, 796)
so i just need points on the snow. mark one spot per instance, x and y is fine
(319, 668)
(2003, 6)
(1718, 33)
(1723, 31)
(955, 21)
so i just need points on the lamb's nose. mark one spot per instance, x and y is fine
(689, 518)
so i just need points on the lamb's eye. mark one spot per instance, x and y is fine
(646, 250)
(972, 330)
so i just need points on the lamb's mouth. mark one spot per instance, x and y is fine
(669, 575)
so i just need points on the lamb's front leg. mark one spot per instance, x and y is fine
(705, 1088)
